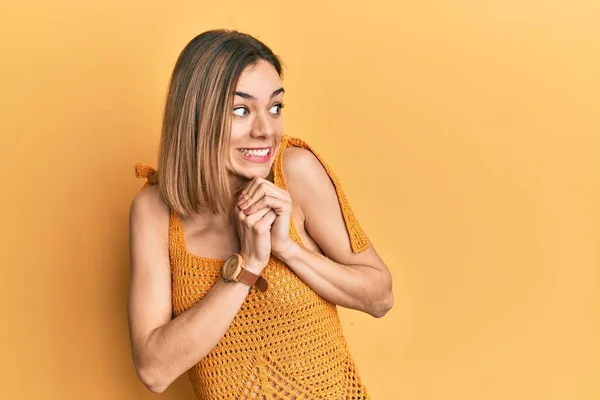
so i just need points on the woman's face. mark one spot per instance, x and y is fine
(256, 122)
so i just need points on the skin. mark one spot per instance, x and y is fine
(164, 347)
(256, 122)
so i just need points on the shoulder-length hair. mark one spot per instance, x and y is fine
(195, 137)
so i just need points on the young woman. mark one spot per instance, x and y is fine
(242, 242)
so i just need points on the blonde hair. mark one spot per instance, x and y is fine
(194, 144)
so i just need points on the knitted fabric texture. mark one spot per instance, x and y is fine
(285, 343)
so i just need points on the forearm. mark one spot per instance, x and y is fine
(360, 287)
(175, 347)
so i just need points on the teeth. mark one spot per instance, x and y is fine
(254, 152)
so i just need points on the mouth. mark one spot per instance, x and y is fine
(257, 154)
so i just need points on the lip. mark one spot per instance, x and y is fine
(257, 159)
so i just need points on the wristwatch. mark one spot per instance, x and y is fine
(233, 271)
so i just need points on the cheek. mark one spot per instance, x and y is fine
(238, 131)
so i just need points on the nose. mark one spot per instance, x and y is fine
(261, 126)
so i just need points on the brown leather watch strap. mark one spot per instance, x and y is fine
(261, 284)
(251, 279)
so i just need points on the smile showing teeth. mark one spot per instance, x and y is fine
(255, 152)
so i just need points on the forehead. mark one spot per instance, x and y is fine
(259, 80)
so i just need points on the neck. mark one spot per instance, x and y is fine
(237, 184)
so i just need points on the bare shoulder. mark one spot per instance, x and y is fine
(149, 214)
(149, 203)
(300, 164)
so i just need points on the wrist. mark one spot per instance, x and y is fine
(237, 269)
(254, 267)
(288, 252)
(252, 264)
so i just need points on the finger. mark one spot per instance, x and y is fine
(269, 188)
(253, 205)
(240, 213)
(267, 220)
(252, 219)
(280, 206)
(261, 188)
(245, 190)
(248, 195)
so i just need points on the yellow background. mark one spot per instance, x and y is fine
(465, 133)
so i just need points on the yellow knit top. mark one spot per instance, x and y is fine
(285, 343)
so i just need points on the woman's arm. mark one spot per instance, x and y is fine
(360, 280)
(164, 348)
(366, 286)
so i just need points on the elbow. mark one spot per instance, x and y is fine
(381, 307)
(151, 378)
(156, 389)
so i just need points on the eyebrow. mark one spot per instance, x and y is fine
(250, 97)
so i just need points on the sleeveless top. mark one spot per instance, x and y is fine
(285, 343)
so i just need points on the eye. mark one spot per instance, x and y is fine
(240, 111)
(279, 107)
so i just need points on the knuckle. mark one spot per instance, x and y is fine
(261, 228)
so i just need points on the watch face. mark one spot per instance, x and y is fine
(230, 267)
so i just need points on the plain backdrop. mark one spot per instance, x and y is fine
(465, 134)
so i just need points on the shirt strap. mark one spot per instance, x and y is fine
(148, 172)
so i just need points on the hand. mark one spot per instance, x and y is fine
(255, 237)
(260, 193)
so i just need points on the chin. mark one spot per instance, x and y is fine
(250, 170)
(258, 172)
(251, 173)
